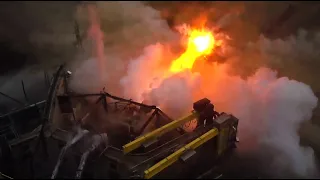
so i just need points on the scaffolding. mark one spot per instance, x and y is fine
(24, 111)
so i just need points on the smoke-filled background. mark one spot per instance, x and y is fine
(267, 77)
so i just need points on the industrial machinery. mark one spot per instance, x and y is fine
(104, 136)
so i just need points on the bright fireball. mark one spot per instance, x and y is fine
(200, 43)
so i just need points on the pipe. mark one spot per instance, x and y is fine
(97, 140)
(5, 176)
(82, 164)
(76, 138)
(56, 168)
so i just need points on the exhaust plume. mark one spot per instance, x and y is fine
(96, 34)
(271, 108)
(128, 32)
(77, 135)
(174, 95)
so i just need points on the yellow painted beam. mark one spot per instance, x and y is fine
(155, 169)
(157, 132)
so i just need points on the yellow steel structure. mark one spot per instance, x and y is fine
(158, 132)
(222, 140)
(155, 169)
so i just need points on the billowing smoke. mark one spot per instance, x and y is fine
(270, 108)
(174, 95)
(295, 55)
(145, 66)
(128, 27)
(136, 42)
(155, 88)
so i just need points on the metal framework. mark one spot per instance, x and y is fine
(118, 104)
(7, 119)
(172, 149)
(155, 169)
(158, 132)
(11, 130)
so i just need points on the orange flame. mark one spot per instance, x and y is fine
(200, 43)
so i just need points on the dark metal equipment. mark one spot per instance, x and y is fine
(143, 142)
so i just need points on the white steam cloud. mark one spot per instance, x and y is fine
(145, 66)
(174, 94)
(281, 105)
(270, 109)
(128, 28)
(145, 81)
